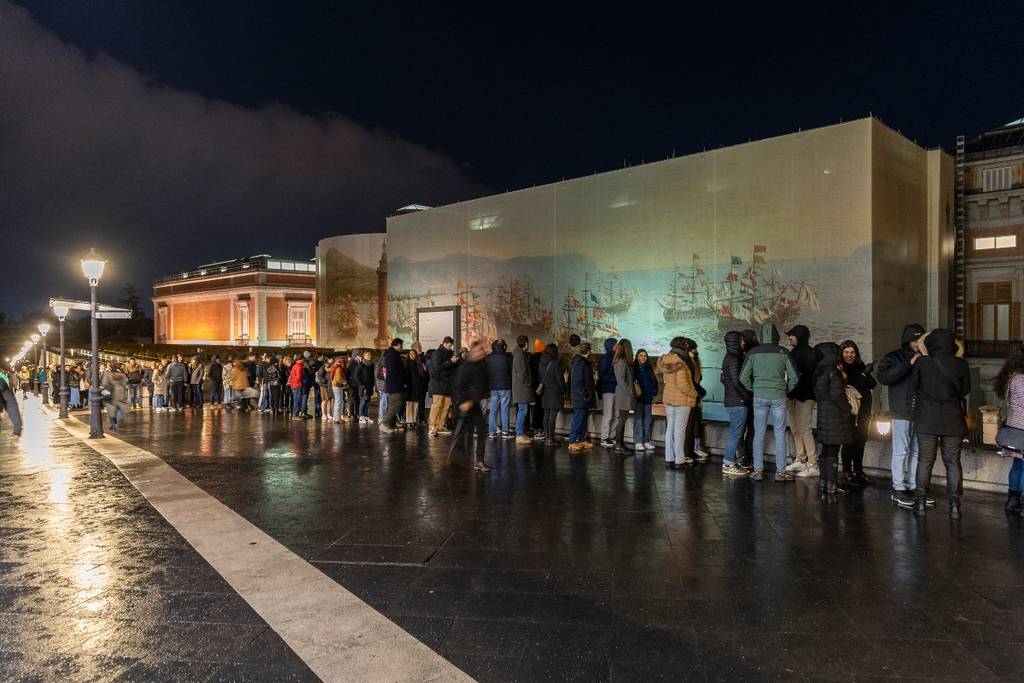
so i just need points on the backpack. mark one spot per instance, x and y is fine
(272, 375)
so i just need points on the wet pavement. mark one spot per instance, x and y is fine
(95, 585)
(550, 567)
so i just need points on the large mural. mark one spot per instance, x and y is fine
(347, 290)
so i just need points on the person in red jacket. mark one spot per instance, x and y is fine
(296, 381)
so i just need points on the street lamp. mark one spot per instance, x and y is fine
(35, 357)
(62, 312)
(43, 329)
(883, 423)
(92, 267)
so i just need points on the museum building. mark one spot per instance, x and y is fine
(251, 301)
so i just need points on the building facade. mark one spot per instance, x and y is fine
(252, 301)
(993, 214)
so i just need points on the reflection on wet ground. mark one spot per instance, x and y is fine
(95, 585)
(553, 567)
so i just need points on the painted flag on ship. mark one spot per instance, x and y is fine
(597, 313)
(732, 277)
(758, 258)
(594, 299)
(458, 285)
(575, 302)
(725, 310)
(760, 249)
(737, 261)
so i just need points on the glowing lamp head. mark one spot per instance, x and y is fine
(60, 311)
(92, 266)
(34, 337)
(43, 328)
(883, 423)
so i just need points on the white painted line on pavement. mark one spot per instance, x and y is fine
(336, 634)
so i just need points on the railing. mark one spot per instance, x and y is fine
(242, 341)
(979, 348)
(299, 340)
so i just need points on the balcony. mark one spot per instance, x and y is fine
(977, 348)
(299, 340)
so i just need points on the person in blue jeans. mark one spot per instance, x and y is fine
(499, 374)
(1009, 384)
(769, 375)
(581, 393)
(894, 371)
(643, 420)
(737, 401)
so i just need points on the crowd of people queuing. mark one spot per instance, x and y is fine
(497, 394)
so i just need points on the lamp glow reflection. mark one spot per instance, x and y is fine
(883, 423)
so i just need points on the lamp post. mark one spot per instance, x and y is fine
(35, 357)
(43, 329)
(62, 312)
(92, 267)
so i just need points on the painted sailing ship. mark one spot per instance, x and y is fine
(476, 324)
(612, 297)
(583, 316)
(687, 295)
(402, 312)
(758, 294)
(518, 310)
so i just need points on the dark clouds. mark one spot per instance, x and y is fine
(94, 153)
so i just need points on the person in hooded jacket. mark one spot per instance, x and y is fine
(770, 376)
(366, 380)
(858, 376)
(522, 387)
(551, 385)
(694, 434)
(801, 403)
(470, 389)
(745, 456)
(643, 420)
(443, 364)
(499, 374)
(737, 401)
(216, 375)
(417, 393)
(581, 392)
(894, 371)
(606, 389)
(679, 379)
(835, 415)
(177, 376)
(940, 382)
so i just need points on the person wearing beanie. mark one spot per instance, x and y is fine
(800, 409)
(894, 371)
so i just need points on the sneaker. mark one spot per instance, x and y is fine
(586, 445)
(838, 489)
(649, 446)
(756, 476)
(929, 501)
(733, 470)
(387, 430)
(686, 461)
(508, 436)
(784, 476)
(639, 448)
(492, 437)
(431, 433)
(808, 472)
(796, 466)
(608, 443)
(525, 440)
(539, 437)
(903, 499)
(481, 467)
(575, 447)
(702, 455)
(444, 432)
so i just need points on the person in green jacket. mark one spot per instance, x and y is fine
(768, 373)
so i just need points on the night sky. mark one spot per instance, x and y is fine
(169, 134)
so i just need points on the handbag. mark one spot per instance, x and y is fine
(637, 391)
(1010, 438)
(853, 396)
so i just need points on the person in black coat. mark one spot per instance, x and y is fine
(551, 382)
(471, 388)
(366, 380)
(442, 363)
(582, 394)
(416, 381)
(499, 375)
(835, 416)
(737, 401)
(746, 457)
(801, 400)
(858, 376)
(940, 381)
(894, 371)
(394, 383)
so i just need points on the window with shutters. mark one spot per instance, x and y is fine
(996, 317)
(994, 179)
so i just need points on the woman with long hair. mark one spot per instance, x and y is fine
(835, 416)
(859, 377)
(625, 396)
(643, 421)
(1009, 384)
(695, 422)
(417, 387)
(551, 387)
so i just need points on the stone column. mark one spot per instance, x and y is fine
(381, 342)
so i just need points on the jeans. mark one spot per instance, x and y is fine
(177, 394)
(501, 399)
(298, 401)
(159, 398)
(264, 402)
(229, 395)
(776, 409)
(197, 395)
(905, 453)
(643, 422)
(1017, 476)
(578, 428)
(382, 406)
(804, 447)
(135, 391)
(522, 411)
(216, 393)
(607, 416)
(339, 402)
(316, 401)
(737, 423)
(676, 418)
(950, 458)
